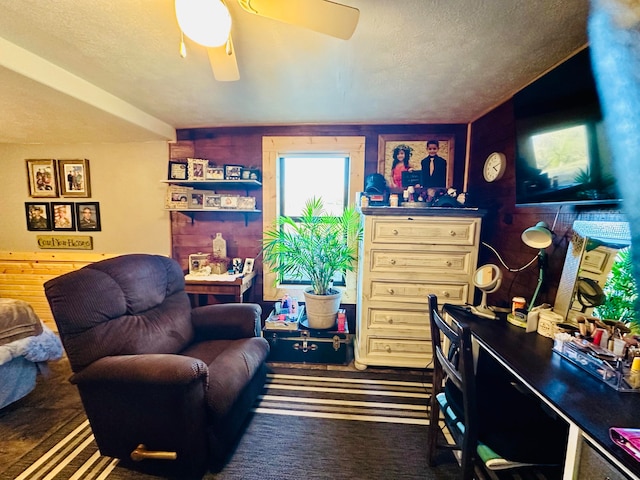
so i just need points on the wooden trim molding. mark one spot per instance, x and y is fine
(23, 274)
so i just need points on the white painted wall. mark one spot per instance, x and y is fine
(125, 179)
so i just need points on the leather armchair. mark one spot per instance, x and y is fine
(156, 377)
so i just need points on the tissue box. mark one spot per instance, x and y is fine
(547, 323)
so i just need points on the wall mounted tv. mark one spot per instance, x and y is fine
(562, 153)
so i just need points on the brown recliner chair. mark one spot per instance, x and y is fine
(151, 370)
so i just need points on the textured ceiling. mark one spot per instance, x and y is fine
(109, 70)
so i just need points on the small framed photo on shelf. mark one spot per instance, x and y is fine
(246, 203)
(63, 216)
(177, 171)
(38, 216)
(229, 201)
(178, 197)
(74, 178)
(232, 172)
(42, 177)
(215, 173)
(212, 201)
(199, 264)
(197, 169)
(88, 216)
(250, 174)
(196, 200)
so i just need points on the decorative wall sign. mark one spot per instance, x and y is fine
(65, 242)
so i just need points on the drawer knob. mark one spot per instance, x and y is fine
(389, 320)
(446, 294)
(447, 263)
(392, 261)
(391, 291)
(394, 231)
(452, 233)
(387, 348)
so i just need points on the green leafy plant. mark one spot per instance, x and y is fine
(621, 293)
(315, 245)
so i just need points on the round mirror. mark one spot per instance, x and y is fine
(488, 279)
(589, 293)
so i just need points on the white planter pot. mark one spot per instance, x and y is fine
(322, 310)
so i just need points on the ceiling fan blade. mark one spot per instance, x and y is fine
(321, 16)
(223, 62)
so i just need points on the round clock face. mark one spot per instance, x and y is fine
(494, 167)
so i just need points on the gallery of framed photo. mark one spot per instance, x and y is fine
(74, 178)
(43, 181)
(38, 216)
(88, 216)
(63, 216)
(392, 147)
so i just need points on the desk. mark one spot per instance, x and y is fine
(201, 289)
(589, 406)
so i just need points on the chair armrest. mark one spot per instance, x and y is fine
(149, 369)
(228, 321)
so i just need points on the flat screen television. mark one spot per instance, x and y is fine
(562, 153)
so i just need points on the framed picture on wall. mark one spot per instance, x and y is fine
(177, 171)
(63, 216)
(42, 178)
(406, 152)
(88, 216)
(38, 216)
(197, 169)
(74, 178)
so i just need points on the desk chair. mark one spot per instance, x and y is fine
(455, 395)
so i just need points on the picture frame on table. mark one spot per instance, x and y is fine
(389, 146)
(38, 216)
(232, 172)
(42, 178)
(63, 216)
(197, 168)
(178, 171)
(248, 266)
(88, 217)
(74, 178)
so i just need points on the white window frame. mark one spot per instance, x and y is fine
(272, 149)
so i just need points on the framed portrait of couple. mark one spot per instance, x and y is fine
(398, 153)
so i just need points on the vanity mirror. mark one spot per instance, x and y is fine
(487, 279)
(591, 254)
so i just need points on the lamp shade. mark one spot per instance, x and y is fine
(207, 22)
(538, 236)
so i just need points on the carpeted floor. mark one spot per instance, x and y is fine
(309, 423)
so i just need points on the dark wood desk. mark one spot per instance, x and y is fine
(200, 289)
(589, 406)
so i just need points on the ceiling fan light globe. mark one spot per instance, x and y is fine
(207, 22)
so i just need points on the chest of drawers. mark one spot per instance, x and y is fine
(404, 258)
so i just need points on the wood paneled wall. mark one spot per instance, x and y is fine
(23, 274)
(506, 222)
(243, 146)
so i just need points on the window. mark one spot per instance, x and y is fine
(297, 168)
(330, 174)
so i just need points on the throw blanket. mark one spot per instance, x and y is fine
(36, 348)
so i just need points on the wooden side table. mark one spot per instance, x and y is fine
(200, 289)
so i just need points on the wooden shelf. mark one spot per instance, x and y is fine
(247, 184)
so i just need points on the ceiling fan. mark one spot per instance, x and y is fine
(322, 16)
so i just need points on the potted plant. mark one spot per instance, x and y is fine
(314, 246)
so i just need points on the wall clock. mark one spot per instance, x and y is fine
(494, 167)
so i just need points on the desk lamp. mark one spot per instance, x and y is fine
(538, 236)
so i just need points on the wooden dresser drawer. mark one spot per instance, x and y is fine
(401, 319)
(395, 347)
(434, 262)
(417, 292)
(422, 231)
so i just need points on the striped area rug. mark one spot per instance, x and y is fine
(306, 424)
